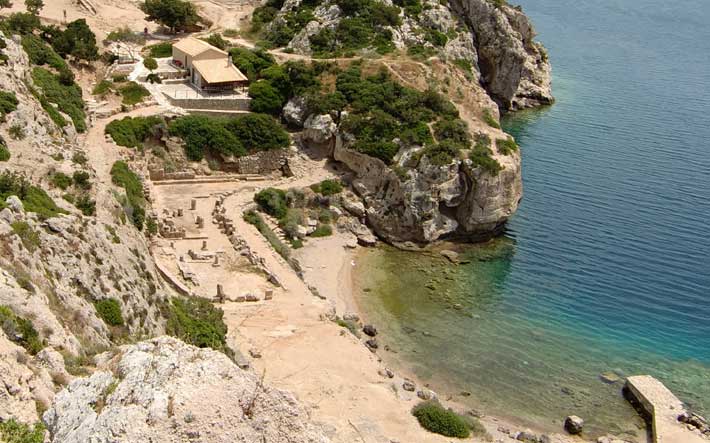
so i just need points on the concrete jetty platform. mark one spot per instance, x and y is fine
(663, 409)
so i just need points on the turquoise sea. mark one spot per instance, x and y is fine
(606, 265)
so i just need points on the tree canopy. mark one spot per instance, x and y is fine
(174, 14)
(34, 6)
(76, 40)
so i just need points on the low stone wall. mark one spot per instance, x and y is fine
(160, 174)
(263, 162)
(223, 104)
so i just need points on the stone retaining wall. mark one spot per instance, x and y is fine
(262, 162)
(223, 104)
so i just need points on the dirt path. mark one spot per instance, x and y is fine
(102, 154)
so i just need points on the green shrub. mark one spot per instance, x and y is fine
(4, 153)
(13, 431)
(258, 132)
(119, 78)
(51, 111)
(21, 331)
(17, 132)
(441, 154)
(28, 236)
(464, 64)
(153, 78)
(217, 41)
(177, 15)
(350, 325)
(506, 146)
(236, 136)
(60, 180)
(109, 310)
(272, 201)
(102, 88)
(454, 130)
(81, 179)
(40, 53)
(265, 98)
(420, 52)
(33, 198)
(481, 156)
(121, 175)
(436, 38)
(196, 321)
(8, 103)
(161, 50)
(251, 61)
(434, 418)
(328, 187)
(22, 23)
(490, 120)
(133, 93)
(322, 231)
(68, 98)
(381, 110)
(150, 63)
(76, 40)
(125, 34)
(202, 133)
(131, 132)
(86, 205)
(255, 219)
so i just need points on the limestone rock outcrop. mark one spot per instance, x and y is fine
(432, 202)
(514, 67)
(498, 41)
(165, 390)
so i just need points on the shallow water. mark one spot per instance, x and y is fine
(606, 265)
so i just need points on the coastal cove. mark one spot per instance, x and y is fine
(605, 267)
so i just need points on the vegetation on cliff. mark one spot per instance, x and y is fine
(134, 204)
(33, 198)
(196, 321)
(363, 24)
(20, 331)
(237, 136)
(131, 132)
(13, 431)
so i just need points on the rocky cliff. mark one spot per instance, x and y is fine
(165, 390)
(514, 68)
(431, 202)
(56, 268)
(504, 69)
(497, 40)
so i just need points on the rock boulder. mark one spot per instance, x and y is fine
(165, 390)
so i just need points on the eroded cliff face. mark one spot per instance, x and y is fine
(514, 67)
(430, 202)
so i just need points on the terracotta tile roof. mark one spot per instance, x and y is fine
(193, 46)
(218, 71)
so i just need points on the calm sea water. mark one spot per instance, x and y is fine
(606, 265)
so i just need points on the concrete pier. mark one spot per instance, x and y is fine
(663, 408)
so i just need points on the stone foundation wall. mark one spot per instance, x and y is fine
(263, 162)
(224, 104)
(160, 174)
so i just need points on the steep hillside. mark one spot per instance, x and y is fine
(491, 39)
(82, 281)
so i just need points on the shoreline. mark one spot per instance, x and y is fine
(325, 255)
